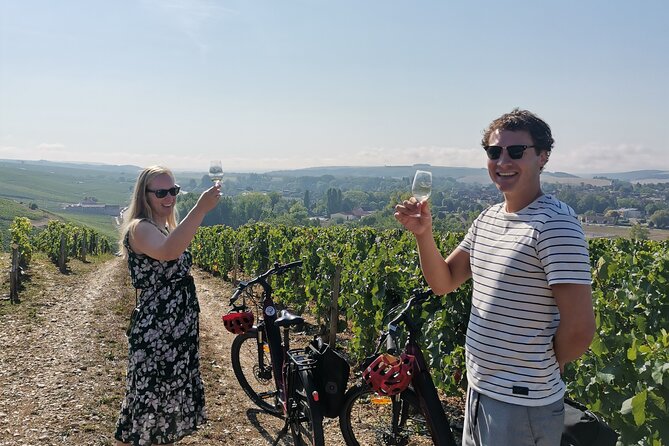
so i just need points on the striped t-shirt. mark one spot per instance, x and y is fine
(514, 259)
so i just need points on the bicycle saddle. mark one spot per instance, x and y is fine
(288, 319)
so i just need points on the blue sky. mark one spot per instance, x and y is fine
(299, 83)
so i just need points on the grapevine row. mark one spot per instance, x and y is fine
(56, 239)
(625, 376)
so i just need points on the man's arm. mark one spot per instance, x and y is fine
(443, 276)
(577, 321)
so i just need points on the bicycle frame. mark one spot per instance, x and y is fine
(422, 382)
(268, 331)
(277, 350)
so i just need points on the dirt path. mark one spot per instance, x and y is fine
(63, 358)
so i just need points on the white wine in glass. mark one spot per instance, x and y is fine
(215, 171)
(422, 186)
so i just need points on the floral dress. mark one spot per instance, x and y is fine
(164, 398)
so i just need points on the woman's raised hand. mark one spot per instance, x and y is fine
(209, 198)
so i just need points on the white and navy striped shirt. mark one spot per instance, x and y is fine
(514, 259)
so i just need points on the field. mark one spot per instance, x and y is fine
(603, 231)
(50, 186)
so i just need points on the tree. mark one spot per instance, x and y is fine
(274, 198)
(638, 232)
(660, 219)
(307, 200)
(250, 206)
(614, 215)
(334, 200)
(356, 198)
(654, 206)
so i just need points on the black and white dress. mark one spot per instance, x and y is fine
(164, 398)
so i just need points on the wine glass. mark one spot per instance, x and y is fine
(215, 171)
(422, 186)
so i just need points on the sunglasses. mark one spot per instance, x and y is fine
(515, 152)
(162, 193)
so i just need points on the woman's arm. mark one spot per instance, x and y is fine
(147, 239)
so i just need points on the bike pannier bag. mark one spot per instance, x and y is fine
(330, 375)
(582, 427)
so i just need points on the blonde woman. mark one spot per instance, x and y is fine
(164, 398)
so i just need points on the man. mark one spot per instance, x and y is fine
(531, 307)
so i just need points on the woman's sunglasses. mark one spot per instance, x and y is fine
(162, 193)
(515, 152)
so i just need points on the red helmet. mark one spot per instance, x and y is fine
(238, 322)
(388, 374)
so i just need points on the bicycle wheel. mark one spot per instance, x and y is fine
(306, 422)
(367, 418)
(256, 380)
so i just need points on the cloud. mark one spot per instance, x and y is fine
(189, 17)
(604, 158)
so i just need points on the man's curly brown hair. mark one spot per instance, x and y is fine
(519, 120)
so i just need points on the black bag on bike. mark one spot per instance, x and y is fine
(330, 375)
(582, 427)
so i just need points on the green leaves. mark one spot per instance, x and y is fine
(637, 406)
(624, 376)
(75, 237)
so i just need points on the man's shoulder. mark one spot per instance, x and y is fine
(555, 207)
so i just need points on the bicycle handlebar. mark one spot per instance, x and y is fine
(276, 269)
(418, 297)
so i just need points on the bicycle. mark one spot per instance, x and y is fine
(414, 414)
(282, 383)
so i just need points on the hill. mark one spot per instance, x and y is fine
(123, 177)
(638, 176)
(50, 185)
(460, 174)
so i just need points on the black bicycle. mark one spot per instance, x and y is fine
(278, 379)
(413, 416)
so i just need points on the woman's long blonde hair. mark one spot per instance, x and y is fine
(139, 205)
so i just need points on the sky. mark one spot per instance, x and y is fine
(269, 84)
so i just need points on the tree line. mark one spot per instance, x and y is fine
(310, 201)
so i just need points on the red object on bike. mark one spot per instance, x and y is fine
(238, 322)
(388, 374)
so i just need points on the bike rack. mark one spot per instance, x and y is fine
(301, 359)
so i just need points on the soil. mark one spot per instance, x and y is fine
(63, 357)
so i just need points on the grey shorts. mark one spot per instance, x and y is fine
(492, 422)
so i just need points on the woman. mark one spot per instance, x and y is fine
(164, 398)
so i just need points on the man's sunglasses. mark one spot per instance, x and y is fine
(162, 193)
(515, 152)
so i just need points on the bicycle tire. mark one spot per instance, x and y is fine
(306, 425)
(367, 418)
(257, 384)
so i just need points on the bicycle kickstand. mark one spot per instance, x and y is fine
(282, 433)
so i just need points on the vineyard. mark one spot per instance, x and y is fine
(624, 377)
(60, 241)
